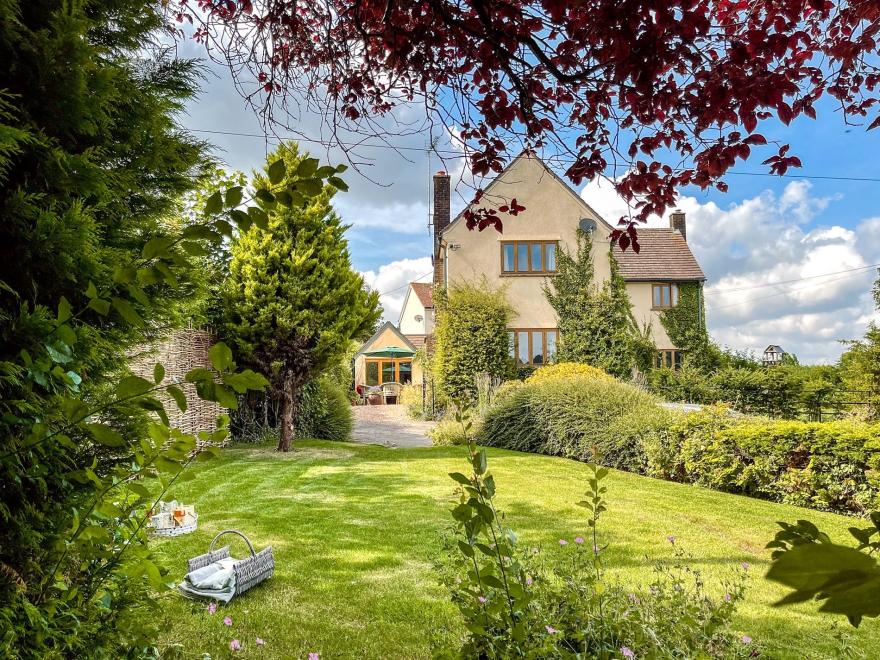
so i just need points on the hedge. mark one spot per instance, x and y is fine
(824, 465)
(833, 466)
(570, 416)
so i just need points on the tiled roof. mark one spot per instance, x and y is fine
(416, 340)
(424, 291)
(664, 255)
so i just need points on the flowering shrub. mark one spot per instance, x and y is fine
(567, 370)
(518, 603)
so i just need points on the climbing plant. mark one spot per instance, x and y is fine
(686, 326)
(596, 323)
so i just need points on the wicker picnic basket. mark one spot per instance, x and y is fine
(249, 572)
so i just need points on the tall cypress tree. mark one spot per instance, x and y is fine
(292, 300)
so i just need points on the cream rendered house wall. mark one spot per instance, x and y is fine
(553, 212)
(641, 296)
(412, 307)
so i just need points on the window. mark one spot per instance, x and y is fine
(669, 358)
(664, 296)
(389, 371)
(533, 347)
(528, 257)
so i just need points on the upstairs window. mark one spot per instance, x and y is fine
(669, 358)
(528, 257)
(664, 296)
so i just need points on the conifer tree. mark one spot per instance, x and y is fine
(292, 301)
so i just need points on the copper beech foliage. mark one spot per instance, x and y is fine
(672, 92)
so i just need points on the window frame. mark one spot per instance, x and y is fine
(673, 293)
(529, 332)
(527, 271)
(668, 358)
(397, 362)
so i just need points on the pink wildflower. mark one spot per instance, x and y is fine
(563, 542)
(314, 656)
(578, 539)
(234, 645)
(745, 565)
(746, 639)
(260, 641)
(627, 652)
(671, 539)
(551, 630)
(528, 582)
(727, 598)
(482, 599)
(212, 607)
(227, 620)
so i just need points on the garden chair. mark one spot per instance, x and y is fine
(391, 391)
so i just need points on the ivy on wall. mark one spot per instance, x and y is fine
(686, 326)
(596, 323)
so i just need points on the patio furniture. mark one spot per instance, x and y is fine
(219, 576)
(373, 395)
(391, 391)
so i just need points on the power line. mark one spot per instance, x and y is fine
(773, 295)
(457, 154)
(402, 286)
(715, 292)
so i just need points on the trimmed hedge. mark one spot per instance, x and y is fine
(823, 465)
(833, 466)
(561, 370)
(570, 416)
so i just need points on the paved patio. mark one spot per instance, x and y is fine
(389, 426)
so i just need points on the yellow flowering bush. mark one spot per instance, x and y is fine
(566, 370)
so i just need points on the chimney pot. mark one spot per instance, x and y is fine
(678, 222)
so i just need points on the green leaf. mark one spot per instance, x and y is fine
(201, 232)
(221, 356)
(195, 249)
(157, 247)
(214, 203)
(64, 310)
(225, 397)
(124, 274)
(245, 380)
(466, 550)
(105, 435)
(265, 196)
(178, 396)
(259, 217)
(338, 183)
(164, 464)
(812, 566)
(158, 373)
(479, 462)
(91, 290)
(460, 478)
(60, 352)
(100, 305)
(307, 167)
(233, 197)
(126, 311)
(276, 171)
(198, 374)
(132, 386)
(242, 220)
(309, 187)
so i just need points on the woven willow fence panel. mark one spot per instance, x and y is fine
(184, 350)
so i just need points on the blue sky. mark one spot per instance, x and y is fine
(801, 232)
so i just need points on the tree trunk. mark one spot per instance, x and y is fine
(288, 415)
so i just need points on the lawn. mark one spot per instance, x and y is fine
(354, 529)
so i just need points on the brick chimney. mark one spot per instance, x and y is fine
(678, 222)
(441, 221)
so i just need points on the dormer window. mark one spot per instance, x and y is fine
(528, 257)
(664, 296)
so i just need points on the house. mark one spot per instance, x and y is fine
(524, 256)
(773, 355)
(386, 357)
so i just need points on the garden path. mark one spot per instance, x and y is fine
(389, 426)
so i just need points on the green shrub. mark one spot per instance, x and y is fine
(562, 370)
(411, 400)
(471, 339)
(571, 416)
(325, 411)
(824, 465)
(447, 433)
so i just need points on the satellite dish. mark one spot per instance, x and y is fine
(587, 226)
(419, 318)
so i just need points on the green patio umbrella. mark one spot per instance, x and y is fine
(390, 352)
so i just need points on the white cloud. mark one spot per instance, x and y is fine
(768, 272)
(391, 282)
